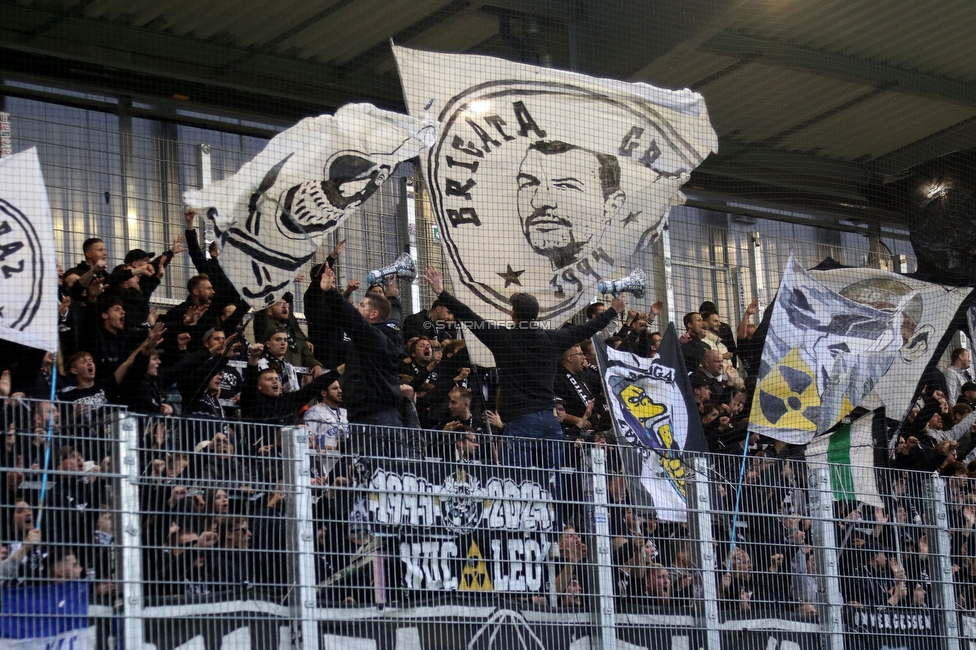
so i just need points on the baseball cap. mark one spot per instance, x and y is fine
(137, 254)
(697, 381)
(210, 332)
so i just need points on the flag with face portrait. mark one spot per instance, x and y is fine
(655, 421)
(272, 215)
(846, 337)
(545, 181)
(29, 302)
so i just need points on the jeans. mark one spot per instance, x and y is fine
(379, 435)
(536, 440)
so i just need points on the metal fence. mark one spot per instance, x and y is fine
(222, 534)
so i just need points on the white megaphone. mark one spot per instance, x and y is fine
(634, 283)
(404, 267)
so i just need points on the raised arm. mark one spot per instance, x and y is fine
(751, 310)
(154, 337)
(363, 334)
(575, 333)
(461, 311)
(197, 255)
(304, 395)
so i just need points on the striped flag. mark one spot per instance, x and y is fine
(848, 450)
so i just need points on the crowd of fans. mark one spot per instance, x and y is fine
(215, 388)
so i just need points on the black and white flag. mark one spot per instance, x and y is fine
(844, 338)
(272, 215)
(655, 420)
(545, 181)
(28, 271)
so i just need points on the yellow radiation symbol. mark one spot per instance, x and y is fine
(787, 397)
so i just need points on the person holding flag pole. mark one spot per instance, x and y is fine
(526, 355)
(30, 317)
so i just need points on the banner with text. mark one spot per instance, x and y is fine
(28, 271)
(464, 527)
(547, 181)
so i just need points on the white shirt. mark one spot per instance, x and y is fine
(955, 377)
(329, 425)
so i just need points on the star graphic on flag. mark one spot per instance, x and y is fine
(632, 218)
(511, 276)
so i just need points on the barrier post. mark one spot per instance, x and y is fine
(944, 597)
(824, 535)
(300, 532)
(700, 524)
(125, 430)
(605, 610)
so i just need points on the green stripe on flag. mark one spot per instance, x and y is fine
(848, 452)
(839, 457)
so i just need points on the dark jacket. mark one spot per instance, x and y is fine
(108, 350)
(282, 410)
(298, 353)
(324, 329)
(371, 383)
(173, 319)
(114, 278)
(693, 352)
(224, 291)
(526, 356)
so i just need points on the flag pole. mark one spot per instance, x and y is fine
(49, 436)
(738, 494)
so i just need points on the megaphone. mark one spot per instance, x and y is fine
(404, 267)
(634, 283)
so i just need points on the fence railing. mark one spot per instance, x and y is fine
(220, 534)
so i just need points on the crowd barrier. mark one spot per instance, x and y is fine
(209, 534)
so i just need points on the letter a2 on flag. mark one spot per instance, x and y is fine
(28, 271)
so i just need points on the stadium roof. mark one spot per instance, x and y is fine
(816, 102)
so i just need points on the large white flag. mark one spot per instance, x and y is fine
(546, 181)
(28, 270)
(844, 338)
(272, 215)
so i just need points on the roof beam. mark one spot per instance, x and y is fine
(767, 163)
(959, 137)
(174, 59)
(841, 66)
(804, 213)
